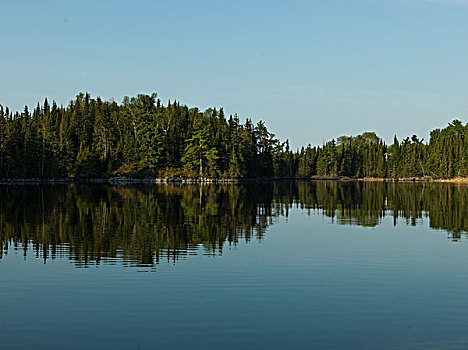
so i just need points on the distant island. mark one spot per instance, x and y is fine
(142, 138)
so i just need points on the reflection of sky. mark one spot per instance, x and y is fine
(308, 284)
(386, 66)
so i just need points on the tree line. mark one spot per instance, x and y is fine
(142, 137)
(366, 155)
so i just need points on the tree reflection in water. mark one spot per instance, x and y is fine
(139, 225)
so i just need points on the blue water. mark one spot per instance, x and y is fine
(308, 283)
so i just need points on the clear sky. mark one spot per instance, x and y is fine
(312, 70)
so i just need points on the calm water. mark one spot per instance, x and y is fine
(291, 265)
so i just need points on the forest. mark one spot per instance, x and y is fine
(142, 137)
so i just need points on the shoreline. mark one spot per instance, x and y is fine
(129, 180)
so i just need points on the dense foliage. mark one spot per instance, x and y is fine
(141, 138)
(367, 155)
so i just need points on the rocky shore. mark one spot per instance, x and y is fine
(172, 180)
(181, 180)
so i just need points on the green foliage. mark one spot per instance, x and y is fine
(200, 153)
(366, 155)
(142, 137)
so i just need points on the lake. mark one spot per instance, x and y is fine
(282, 265)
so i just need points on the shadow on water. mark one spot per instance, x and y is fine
(140, 225)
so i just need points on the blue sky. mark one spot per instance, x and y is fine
(312, 70)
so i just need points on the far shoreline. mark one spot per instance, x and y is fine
(220, 181)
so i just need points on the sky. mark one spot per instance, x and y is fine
(312, 70)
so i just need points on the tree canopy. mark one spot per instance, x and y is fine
(142, 137)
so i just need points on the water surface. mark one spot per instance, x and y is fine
(296, 265)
